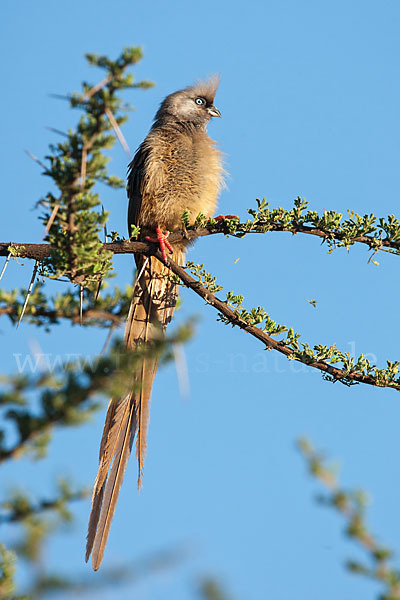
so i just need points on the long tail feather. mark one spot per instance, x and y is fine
(152, 307)
(115, 419)
(113, 484)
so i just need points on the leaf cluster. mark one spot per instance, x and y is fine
(352, 506)
(44, 311)
(337, 232)
(68, 395)
(77, 163)
(377, 232)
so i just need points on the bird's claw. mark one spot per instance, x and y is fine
(162, 241)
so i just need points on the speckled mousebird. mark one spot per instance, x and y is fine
(177, 167)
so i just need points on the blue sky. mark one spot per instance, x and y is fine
(310, 98)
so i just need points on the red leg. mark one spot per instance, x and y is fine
(162, 240)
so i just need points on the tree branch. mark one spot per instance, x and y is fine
(67, 395)
(335, 373)
(19, 508)
(40, 251)
(346, 375)
(53, 315)
(351, 504)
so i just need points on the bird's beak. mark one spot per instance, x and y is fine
(213, 111)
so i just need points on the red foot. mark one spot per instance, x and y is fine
(162, 241)
(223, 217)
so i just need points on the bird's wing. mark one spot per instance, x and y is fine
(136, 179)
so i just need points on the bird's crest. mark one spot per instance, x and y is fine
(206, 88)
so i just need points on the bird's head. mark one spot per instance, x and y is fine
(194, 104)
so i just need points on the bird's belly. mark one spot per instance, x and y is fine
(167, 208)
(188, 181)
(203, 201)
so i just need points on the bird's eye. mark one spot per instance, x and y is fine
(200, 101)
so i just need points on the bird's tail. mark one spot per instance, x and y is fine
(153, 303)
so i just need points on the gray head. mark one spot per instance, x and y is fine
(193, 105)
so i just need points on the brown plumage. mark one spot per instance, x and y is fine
(176, 168)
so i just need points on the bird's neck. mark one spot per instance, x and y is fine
(187, 127)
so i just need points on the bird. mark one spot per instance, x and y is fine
(177, 169)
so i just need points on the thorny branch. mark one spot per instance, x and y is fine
(52, 315)
(351, 373)
(335, 373)
(19, 507)
(67, 396)
(39, 251)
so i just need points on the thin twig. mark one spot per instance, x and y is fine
(96, 88)
(66, 97)
(83, 168)
(105, 225)
(5, 266)
(58, 131)
(35, 268)
(35, 158)
(139, 276)
(118, 131)
(181, 370)
(98, 289)
(80, 304)
(108, 339)
(51, 219)
(105, 241)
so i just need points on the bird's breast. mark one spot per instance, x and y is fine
(183, 172)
